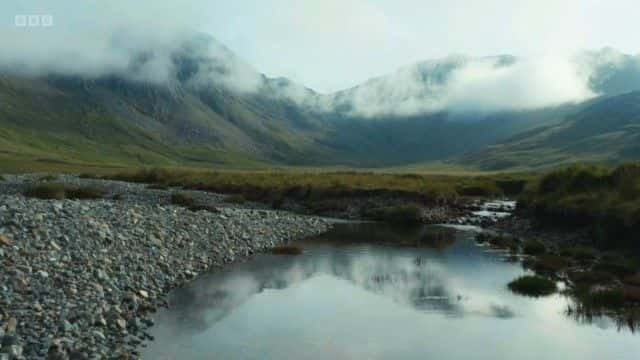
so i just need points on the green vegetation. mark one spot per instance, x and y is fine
(236, 199)
(401, 214)
(46, 191)
(605, 200)
(2, 178)
(548, 264)
(499, 241)
(532, 286)
(59, 191)
(47, 178)
(84, 193)
(600, 299)
(287, 250)
(533, 247)
(182, 199)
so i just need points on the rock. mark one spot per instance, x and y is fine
(98, 334)
(12, 323)
(89, 271)
(66, 326)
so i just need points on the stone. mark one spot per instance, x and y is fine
(12, 323)
(4, 240)
(122, 323)
(98, 334)
(144, 294)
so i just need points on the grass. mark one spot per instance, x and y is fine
(401, 214)
(320, 184)
(58, 191)
(236, 199)
(84, 193)
(604, 200)
(287, 250)
(601, 299)
(47, 178)
(533, 247)
(499, 241)
(548, 264)
(182, 199)
(534, 286)
(46, 191)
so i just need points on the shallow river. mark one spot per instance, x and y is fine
(353, 295)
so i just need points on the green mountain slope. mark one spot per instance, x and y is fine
(602, 130)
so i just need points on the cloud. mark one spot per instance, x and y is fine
(462, 84)
(138, 40)
(527, 84)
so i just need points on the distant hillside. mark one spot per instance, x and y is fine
(216, 111)
(602, 130)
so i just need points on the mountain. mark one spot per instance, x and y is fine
(602, 130)
(208, 108)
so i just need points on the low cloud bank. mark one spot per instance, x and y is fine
(158, 45)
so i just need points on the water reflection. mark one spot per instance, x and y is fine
(420, 281)
(352, 295)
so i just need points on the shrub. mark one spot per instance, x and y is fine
(532, 286)
(182, 199)
(88, 176)
(533, 247)
(287, 250)
(46, 191)
(2, 178)
(84, 193)
(401, 214)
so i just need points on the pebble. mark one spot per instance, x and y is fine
(89, 273)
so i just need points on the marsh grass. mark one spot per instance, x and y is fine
(534, 286)
(84, 193)
(182, 199)
(400, 214)
(533, 247)
(270, 186)
(59, 191)
(46, 191)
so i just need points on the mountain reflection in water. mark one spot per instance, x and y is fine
(372, 291)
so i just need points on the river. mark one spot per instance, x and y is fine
(373, 291)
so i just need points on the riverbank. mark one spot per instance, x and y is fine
(80, 278)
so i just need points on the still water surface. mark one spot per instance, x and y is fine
(354, 295)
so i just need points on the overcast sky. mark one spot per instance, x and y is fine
(333, 44)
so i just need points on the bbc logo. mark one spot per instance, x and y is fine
(34, 20)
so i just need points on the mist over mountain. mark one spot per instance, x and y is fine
(176, 96)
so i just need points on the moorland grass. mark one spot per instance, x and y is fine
(49, 190)
(182, 199)
(532, 285)
(605, 200)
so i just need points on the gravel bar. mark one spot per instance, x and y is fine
(81, 279)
